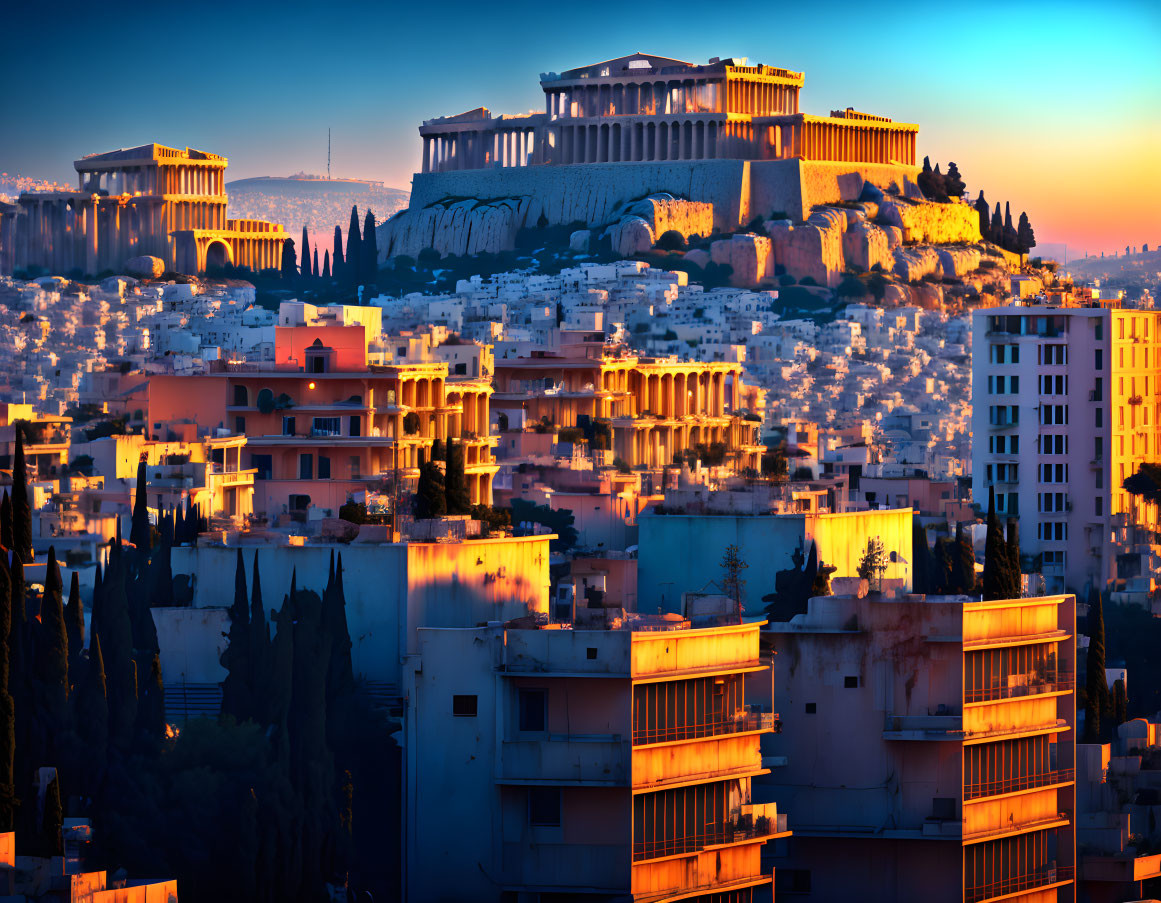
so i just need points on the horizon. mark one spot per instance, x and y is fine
(956, 86)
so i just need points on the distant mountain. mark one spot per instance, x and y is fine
(316, 202)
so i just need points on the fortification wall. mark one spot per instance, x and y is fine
(934, 224)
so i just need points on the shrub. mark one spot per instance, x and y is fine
(622, 465)
(807, 280)
(411, 423)
(672, 240)
(850, 287)
(785, 279)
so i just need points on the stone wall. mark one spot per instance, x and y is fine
(930, 223)
(454, 227)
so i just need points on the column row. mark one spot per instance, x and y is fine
(857, 144)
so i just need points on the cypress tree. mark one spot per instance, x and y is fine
(237, 697)
(340, 673)
(996, 231)
(1096, 687)
(920, 581)
(369, 254)
(259, 649)
(1012, 546)
(289, 268)
(92, 707)
(1025, 236)
(20, 664)
(120, 666)
(6, 522)
(337, 256)
(21, 510)
(49, 843)
(304, 267)
(52, 654)
(1120, 703)
(74, 615)
(139, 529)
(178, 525)
(151, 726)
(940, 574)
(997, 581)
(326, 270)
(985, 220)
(354, 270)
(314, 265)
(963, 563)
(458, 499)
(161, 593)
(7, 712)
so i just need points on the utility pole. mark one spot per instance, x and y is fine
(328, 154)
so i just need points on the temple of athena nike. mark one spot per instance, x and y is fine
(150, 200)
(645, 108)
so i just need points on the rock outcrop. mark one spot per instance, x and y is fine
(463, 226)
(145, 267)
(930, 223)
(812, 249)
(912, 264)
(748, 255)
(866, 245)
(958, 262)
(631, 235)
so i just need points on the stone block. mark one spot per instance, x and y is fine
(145, 267)
(631, 235)
(748, 255)
(579, 241)
(810, 250)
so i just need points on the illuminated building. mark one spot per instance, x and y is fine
(929, 746)
(1067, 406)
(610, 762)
(657, 408)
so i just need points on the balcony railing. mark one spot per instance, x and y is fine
(991, 694)
(744, 829)
(1016, 884)
(745, 720)
(1012, 785)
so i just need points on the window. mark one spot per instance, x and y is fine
(305, 467)
(464, 706)
(264, 464)
(356, 426)
(812, 708)
(532, 710)
(591, 653)
(241, 396)
(288, 426)
(1098, 418)
(1099, 506)
(1098, 359)
(544, 806)
(326, 426)
(324, 467)
(240, 425)
(851, 682)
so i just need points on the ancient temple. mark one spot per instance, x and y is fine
(645, 108)
(149, 200)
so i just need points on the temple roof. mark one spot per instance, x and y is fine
(621, 65)
(150, 152)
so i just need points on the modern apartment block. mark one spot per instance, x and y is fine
(1066, 406)
(603, 763)
(929, 748)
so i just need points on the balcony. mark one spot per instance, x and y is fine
(1017, 784)
(749, 719)
(1035, 687)
(1044, 877)
(943, 725)
(746, 827)
(573, 759)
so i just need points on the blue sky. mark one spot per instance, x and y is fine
(1036, 102)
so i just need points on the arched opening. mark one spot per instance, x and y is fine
(217, 255)
(241, 396)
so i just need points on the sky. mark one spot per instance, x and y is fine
(1049, 106)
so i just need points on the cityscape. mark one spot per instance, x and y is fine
(718, 479)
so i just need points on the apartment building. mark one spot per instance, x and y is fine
(1066, 407)
(657, 407)
(610, 759)
(46, 440)
(929, 747)
(322, 424)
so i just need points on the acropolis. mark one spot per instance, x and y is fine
(726, 134)
(151, 200)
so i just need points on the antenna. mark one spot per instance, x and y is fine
(328, 154)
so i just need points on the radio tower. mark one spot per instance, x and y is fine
(328, 154)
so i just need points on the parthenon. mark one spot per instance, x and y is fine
(150, 200)
(645, 108)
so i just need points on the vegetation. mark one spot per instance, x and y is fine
(1001, 567)
(794, 586)
(733, 585)
(1097, 700)
(526, 516)
(873, 564)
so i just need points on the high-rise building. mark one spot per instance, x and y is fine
(929, 747)
(610, 762)
(1066, 407)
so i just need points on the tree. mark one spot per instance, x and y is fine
(459, 499)
(953, 184)
(985, 219)
(304, 267)
(998, 578)
(6, 522)
(7, 712)
(139, 533)
(354, 270)
(820, 585)
(369, 251)
(1013, 548)
(996, 230)
(1120, 703)
(794, 586)
(1025, 237)
(74, 615)
(51, 666)
(50, 843)
(289, 268)
(326, 270)
(237, 694)
(116, 632)
(1096, 687)
(91, 708)
(941, 566)
(873, 564)
(430, 497)
(259, 653)
(963, 564)
(314, 267)
(21, 509)
(921, 570)
(559, 521)
(732, 583)
(1011, 241)
(337, 256)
